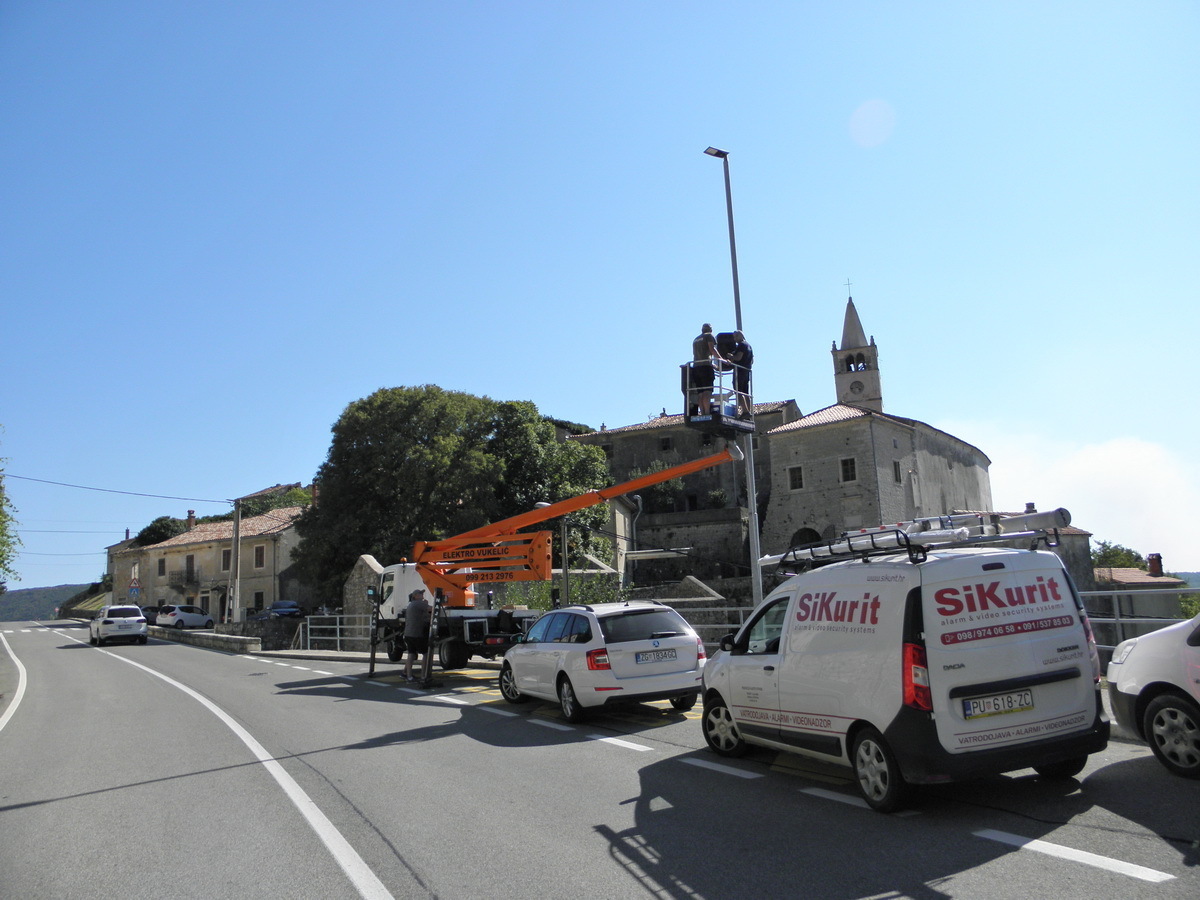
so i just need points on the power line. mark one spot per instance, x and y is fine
(84, 487)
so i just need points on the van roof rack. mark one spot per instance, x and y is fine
(918, 536)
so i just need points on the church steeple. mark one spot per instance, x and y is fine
(856, 365)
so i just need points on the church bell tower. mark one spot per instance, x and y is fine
(856, 365)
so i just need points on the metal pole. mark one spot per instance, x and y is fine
(566, 565)
(747, 440)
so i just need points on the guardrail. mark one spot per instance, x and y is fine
(1122, 624)
(334, 633)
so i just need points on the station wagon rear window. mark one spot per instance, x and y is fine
(641, 625)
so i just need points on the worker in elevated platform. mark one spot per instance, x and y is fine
(704, 354)
(742, 358)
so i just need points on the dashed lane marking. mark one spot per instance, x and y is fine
(718, 767)
(629, 745)
(1081, 856)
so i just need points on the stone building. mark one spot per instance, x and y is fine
(845, 466)
(195, 568)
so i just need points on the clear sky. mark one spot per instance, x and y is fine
(222, 222)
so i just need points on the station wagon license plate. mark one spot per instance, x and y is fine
(649, 656)
(998, 704)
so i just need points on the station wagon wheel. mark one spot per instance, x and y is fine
(683, 704)
(568, 702)
(1172, 727)
(508, 686)
(720, 731)
(875, 769)
(1067, 768)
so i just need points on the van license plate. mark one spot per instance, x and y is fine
(649, 656)
(998, 704)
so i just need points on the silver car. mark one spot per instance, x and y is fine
(117, 623)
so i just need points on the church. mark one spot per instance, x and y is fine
(845, 466)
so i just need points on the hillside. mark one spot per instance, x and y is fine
(35, 603)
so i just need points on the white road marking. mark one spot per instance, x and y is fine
(364, 880)
(319, 672)
(717, 767)
(1081, 856)
(494, 711)
(851, 800)
(16, 700)
(546, 723)
(618, 742)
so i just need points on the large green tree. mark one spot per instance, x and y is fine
(420, 463)
(9, 539)
(1109, 555)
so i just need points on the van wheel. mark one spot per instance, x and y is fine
(508, 686)
(568, 702)
(720, 731)
(683, 704)
(1172, 727)
(879, 778)
(1067, 768)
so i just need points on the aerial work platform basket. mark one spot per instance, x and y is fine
(729, 413)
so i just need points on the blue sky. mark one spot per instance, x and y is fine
(222, 222)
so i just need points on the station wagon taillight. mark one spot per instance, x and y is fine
(700, 652)
(597, 660)
(916, 678)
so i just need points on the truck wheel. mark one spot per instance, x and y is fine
(720, 731)
(508, 686)
(395, 649)
(568, 702)
(875, 769)
(453, 654)
(1172, 727)
(1067, 768)
(683, 704)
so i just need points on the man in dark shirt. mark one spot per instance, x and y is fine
(742, 358)
(704, 351)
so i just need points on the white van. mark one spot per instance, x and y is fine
(941, 662)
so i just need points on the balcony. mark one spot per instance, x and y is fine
(181, 577)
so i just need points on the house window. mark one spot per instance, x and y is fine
(665, 444)
(260, 556)
(608, 450)
(706, 440)
(258, 599)
(849, 470)
(896, 471)
(226, 560)
(189, 565)
(162, 566)
(796, 478)
(693, 502)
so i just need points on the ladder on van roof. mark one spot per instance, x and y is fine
(918, 536)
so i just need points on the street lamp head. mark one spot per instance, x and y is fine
(719, 154)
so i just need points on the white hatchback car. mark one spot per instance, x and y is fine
(112, 623)
(588, 656)
(1154, 687)
(183, 617)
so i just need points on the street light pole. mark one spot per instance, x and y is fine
(747, 439)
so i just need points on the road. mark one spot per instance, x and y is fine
(171, 771)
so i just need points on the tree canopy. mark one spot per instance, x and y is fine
(9, 539)
(421, 463)
(1109, 555)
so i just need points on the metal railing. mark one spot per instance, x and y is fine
(335, 633)
(1122, 624)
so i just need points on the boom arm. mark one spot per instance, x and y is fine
(496, 553)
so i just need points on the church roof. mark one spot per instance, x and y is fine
(852, 330)
(843, 412)
(666, 421)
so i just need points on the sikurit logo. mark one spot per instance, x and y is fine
(982, 597)
(823, 607)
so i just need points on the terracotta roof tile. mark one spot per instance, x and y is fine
(675, 421)
(273, 522)
(1135, 577)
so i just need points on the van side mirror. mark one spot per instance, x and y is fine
(727, 642)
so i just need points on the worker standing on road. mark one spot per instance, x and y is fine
(416, 629)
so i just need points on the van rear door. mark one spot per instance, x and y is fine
(1007, 649)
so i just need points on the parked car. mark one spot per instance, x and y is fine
(183, 617)
(151, 614)
(280, 609)
(1154, 686)
(584, 657)
(117, 623)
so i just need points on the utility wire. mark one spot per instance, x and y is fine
(84, 487)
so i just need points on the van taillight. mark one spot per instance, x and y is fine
(597, 660)
(700, 653)
(916, 678)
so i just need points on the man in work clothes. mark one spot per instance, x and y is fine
(742, 359)
(704, 351)
(416, 628)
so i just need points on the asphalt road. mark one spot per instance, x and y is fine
(173, 771)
